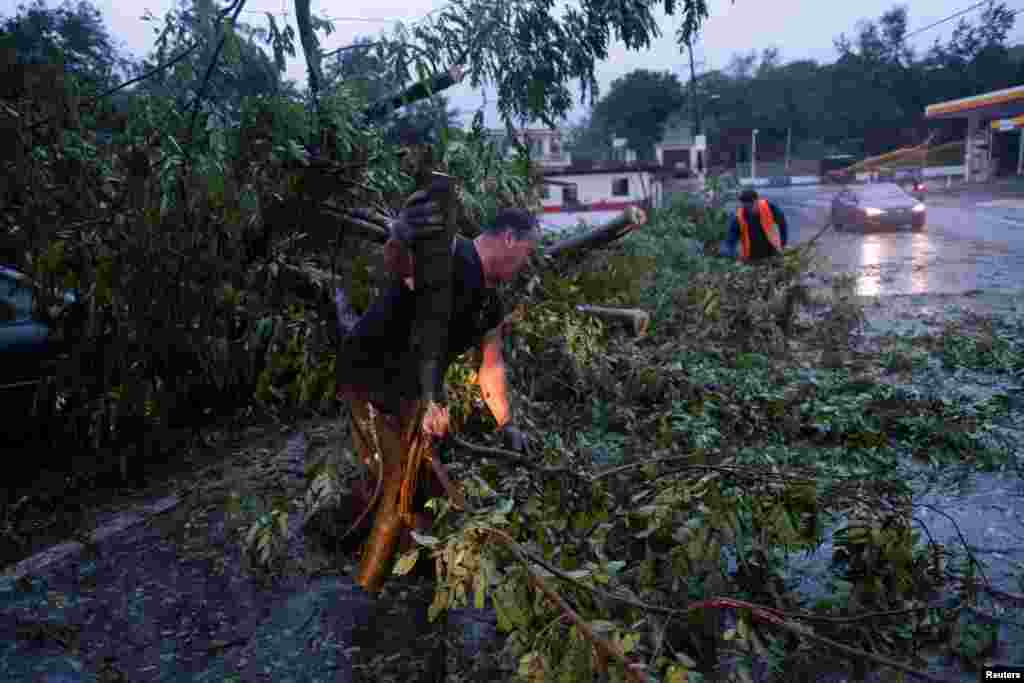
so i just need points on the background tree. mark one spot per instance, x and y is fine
(590, 139)
(636, 108)
(73, 35)
(244, 68)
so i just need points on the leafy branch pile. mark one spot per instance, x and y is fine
(676, 477)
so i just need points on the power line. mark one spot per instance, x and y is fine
(951, 17)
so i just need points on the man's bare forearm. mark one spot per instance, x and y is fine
(494, 387)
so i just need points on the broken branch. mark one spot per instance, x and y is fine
(631, 219)
(361, 227)
(507, 456)
(607, 649)
(637, 319)
(768, 615)
(416, 92)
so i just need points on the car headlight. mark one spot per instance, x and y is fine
(873, 212)
(918, 208)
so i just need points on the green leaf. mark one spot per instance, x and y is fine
(231, 50)
(406, 562)
(479, 590)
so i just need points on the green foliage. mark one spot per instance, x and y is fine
(266, 540)
(987, 350)
(531, 60)
(71, 35)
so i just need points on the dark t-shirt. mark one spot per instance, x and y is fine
(376, 357)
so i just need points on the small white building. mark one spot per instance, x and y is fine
(546, 146)
(610, 186)
(587, 186)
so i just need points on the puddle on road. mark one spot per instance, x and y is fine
(919, 263)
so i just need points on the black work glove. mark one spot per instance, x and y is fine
(422, 213)
(514, 439)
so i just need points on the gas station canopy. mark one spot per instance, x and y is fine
(998, 104)
(987, 114)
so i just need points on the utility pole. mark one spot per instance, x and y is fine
(789, 146)
(753, 154)
(693, 89)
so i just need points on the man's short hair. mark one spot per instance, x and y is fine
(522, 223)
(748, 195)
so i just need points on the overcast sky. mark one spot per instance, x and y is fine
(801, 29)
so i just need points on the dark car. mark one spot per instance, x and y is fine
(876, 206)
(28, 348)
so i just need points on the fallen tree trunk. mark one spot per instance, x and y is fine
(636, 318)
(631, 219)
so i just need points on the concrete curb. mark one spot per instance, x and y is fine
(69, 550)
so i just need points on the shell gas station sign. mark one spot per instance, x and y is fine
(1005, 125)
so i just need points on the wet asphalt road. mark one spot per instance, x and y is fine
(973, 240)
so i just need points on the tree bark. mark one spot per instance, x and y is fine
(631, 219)
(414, 93)
(636, 318)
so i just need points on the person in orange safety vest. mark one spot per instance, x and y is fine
(759, 228)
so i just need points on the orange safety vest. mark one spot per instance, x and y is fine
(771, 230)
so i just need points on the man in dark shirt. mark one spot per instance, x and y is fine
(377, 367)
(759, 229)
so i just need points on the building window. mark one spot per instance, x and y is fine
(620, 187)
(569, 195)
(556, 147)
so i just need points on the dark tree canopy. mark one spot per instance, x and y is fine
(73, 35)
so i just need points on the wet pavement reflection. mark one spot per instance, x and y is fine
(969, 243)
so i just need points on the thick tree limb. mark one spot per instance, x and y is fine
(303, 18)
(637, 319)
(415, 93)
(631, 219)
